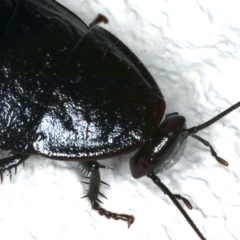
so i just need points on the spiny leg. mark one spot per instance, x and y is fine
(100, 18)
(6, 164)
(92, 168)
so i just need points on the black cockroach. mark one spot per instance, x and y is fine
(77, 93)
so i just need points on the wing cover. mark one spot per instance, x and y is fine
(35, 40)
(105, 102)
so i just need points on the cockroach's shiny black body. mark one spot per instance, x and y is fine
(70, 92)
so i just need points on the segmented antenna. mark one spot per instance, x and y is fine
(195, 129)
(158, 182)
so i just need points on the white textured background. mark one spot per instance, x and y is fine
(192, 50)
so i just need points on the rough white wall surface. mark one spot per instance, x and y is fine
(192, 49)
